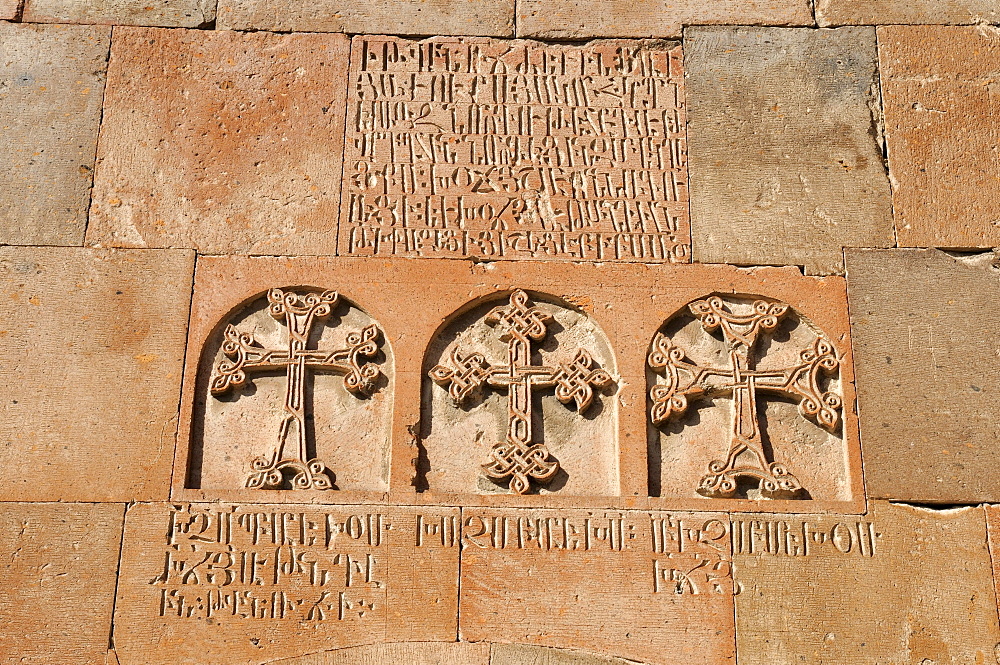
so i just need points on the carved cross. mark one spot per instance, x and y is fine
(243, 356)
(520, 323)
(741, 380)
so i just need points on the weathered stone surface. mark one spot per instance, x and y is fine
(515, 150)
(411, 653)
(8, 9)
(520, 654)
(938, 84)
(815, 589)
(880, 12)
(552, 414)
(59, 566)
(927, 373)
(96, 341)
(259, 583)
(168, 13)
(784, 166)
(993, 531)
(221, 141)
(50, 111)
(613, 583)
(578, 19)
(491, 18)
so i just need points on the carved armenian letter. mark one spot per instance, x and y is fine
(742, 324)
(519, 323)
(242, 356)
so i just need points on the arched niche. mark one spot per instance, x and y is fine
(730, 374)
(294, 391)
(549, 426)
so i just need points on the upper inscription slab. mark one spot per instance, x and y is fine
(461, 147)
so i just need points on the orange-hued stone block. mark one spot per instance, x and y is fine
(576, 19)
(225, 142)
(517, 383)
(58, 563)
(252, 584)
(476, 147)
(93, 345)
(167, 13)
(650, 587)
(938, 89)
(881, 12)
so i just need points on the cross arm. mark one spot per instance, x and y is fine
(575, 381)
(240, 353)
(464, 377)
(685, 379)
(802, 382)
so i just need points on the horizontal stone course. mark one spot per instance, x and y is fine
(166, 13)
(881, 12)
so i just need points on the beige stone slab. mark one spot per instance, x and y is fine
(882, 12)
(50, 112)
(578, 19)
(256, 584)
(785, 168)
(396, 17)
(225, 142)
(167, 13)
(411, 653)
(520, 654)
(617, 584)
(938, 85)
(812, 591)
(96, 341)
(993, 530)
(9, 9)
(58, 563)
(431, 339)
(925, 335)
(475, 147)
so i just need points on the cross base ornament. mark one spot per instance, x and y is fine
(519, 323)
(742, 380)
(242, 355)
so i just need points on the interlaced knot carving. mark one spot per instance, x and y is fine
(243, 356)
(520, 323)
(686, 380)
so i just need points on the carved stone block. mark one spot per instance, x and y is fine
(225, 142)
(396, 17)
(263, 582)
(881, 12)
(95, 339)
(650, 587)
(577, 19)
(929, 375)
(167, 13)
(472, 147)
(50, 115)
(785, 168)
(939, 110)
(899, 585)
(58, 563)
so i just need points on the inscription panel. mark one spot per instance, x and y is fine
(461, 147)
(262, 582)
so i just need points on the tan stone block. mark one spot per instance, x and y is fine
(521, 654)
(397, 17)
(50, 114)
(9, 9)
(426, 404)
(926, 341)
(96, 341)
(784, 166)
(881, 12)
(254, 584)
(59, 566)
(472, 147)
(411, 653)
(225, 142)
(939, 116)
(577, 19)
(812, 591)
(618, 584)
(993, 531)
(168, 13)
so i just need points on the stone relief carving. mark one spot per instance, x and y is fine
(743, 324)
(520, 324)
(291, 464)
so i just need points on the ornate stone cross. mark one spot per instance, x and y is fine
(242, 355)
(742, 380)
(519, 323)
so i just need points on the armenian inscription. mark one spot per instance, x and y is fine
(514, 149)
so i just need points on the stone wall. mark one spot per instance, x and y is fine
(499, 332)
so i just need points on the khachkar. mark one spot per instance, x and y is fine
(242, 355)
(742, 380)
(520, 323)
